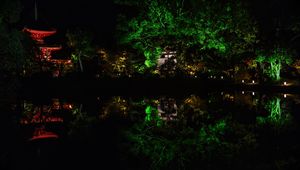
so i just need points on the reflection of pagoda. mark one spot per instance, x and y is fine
(41, 133)
(38, 33)
(42, 120)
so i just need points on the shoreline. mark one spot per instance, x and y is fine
(139, 87)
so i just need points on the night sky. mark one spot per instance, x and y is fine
(100, 16)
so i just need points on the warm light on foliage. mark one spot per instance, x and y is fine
(117, 106)
(193, 69)
(120, 64)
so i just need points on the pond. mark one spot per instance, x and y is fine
(207, 130)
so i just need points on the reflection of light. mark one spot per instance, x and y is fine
(67, 106)
(243, 81)
(41, 133)
(284, 95)
(253, 81)
(253, 93)
(243, 92)
(222, 77)
(284, 83)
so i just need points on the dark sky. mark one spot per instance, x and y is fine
(96, 16)
(99, 16)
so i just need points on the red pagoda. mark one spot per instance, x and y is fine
(44, 49)
(44, 54)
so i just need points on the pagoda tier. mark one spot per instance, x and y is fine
(39, 35)
(46, 51)
(41, 133)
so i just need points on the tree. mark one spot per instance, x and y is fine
(81, 43)
(278, 117)
(15, 46)
(218, 30)
(272, 63)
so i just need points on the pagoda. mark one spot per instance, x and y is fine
(39, 119)
(38, 33)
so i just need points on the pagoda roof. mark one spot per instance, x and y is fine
(36, 31)
(39, 30)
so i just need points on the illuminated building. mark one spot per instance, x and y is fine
(38, 36)
(44, 52)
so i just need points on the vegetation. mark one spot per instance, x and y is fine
(273, 63)
(81, 43)
(207, 38)
(215, 31)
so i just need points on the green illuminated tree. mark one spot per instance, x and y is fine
(272, 63)
(81, 43)
(276, 116)
(146, 32)
(219, 30)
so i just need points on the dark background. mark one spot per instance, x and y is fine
(99, 16)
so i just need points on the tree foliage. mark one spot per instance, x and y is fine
(15, 46)
(10, 11)
(80, 41)
(215, 28)
(272, 62)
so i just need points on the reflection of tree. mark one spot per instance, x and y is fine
(160, 111)
(276, 115)
(156, 148)
(164, 147)
(81, 123)
(167, 109)
(192, 111)
(152, 115)
(117, 105)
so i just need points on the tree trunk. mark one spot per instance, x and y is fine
(80, 62)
